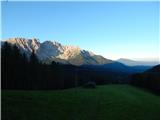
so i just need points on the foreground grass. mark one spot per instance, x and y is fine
(110, 102)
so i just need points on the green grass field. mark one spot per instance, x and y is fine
(109, 102)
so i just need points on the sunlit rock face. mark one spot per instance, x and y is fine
(49, 51)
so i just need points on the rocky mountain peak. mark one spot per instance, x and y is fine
(49, 51)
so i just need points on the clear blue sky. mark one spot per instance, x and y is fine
(111, 29)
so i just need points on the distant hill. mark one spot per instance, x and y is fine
(137, 63)
(119, 68)
(150, 79)
(155, 69)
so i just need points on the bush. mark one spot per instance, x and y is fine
(90, 84)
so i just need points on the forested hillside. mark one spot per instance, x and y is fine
(21, 72)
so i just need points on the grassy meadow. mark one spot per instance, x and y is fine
(108, 102)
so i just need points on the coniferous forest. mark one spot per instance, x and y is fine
(28, 73)
(22, 72)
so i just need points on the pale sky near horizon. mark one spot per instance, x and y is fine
(111, 29)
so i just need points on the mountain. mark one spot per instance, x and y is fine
(49, 51)
(137, 63)
(89, 65)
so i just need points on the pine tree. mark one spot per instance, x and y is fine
(5, 58)
(34, 64)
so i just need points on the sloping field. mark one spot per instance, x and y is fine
(109, 102)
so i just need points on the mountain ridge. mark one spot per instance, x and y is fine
(130, 62)
(49, 51)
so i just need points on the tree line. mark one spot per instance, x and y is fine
(149, 80)
(19, 71)
(22, 72)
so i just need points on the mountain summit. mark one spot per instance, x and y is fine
(49, 51)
